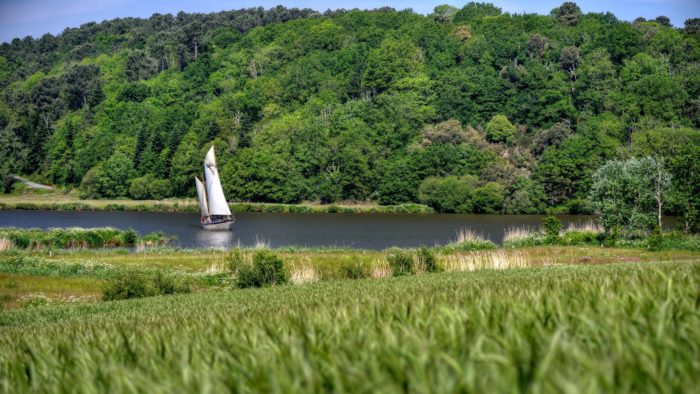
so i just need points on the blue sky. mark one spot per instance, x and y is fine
(19, 18)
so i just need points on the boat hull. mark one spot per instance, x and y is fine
(218, 226)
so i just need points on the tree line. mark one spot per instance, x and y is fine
(467, 109)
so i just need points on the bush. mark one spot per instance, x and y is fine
(132, 284)
(128, 285)
(552, 226)
(267, 269)
(130, 237)
(426, 258)
(168, 284)
(655, 239)
(356, 269)
(401, 263)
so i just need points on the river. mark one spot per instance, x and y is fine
(367, 231)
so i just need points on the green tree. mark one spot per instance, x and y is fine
(630, 194)
(680, 149)
(393, 60)
(567, 14)
(449, 194)
(500, 130)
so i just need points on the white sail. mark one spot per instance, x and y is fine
(215, 193)
(202, 195)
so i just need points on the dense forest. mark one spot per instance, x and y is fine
(466, 110)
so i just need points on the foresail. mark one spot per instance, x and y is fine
(210, 158)
(201, 194)
(215, 193)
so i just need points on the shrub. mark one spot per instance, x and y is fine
(168, 284)
(426, 258)
(267, 269)
(356, 269)
(401, 263)
(132, 284)
(655, 239)
(552, 226)
(128, 285)
(612, 237)
(130, 237)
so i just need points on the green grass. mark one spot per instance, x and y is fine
(611, 328)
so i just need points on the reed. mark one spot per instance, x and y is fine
(588, 226)
(304, 273)
(380, 269)
(513, 234)
(468, 239)
(6, 244)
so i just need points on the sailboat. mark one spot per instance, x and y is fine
(216, 214)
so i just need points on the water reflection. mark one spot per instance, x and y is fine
(215, 239)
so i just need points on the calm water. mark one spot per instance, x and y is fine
(370, 231)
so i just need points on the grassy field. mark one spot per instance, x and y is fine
(626, 327)
(70, 202)
(40, 271)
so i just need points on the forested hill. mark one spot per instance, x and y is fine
(468, 110)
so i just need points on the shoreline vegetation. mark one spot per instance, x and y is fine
(67, 202)
(110, 264)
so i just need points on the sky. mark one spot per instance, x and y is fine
(20, 18)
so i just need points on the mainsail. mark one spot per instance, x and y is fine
(215, 194)
(202, 195)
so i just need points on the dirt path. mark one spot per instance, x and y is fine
(30, 184)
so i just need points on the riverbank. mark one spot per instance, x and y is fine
(29, 278)
(57, 201)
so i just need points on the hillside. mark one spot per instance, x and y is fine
(466, 110)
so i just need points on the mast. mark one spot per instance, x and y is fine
(202, 195)
(215, 193)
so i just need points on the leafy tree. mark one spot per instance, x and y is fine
(149, 187)
(680, 150)
(392, 61)
(449, 194)
(500, 130)
(630, 194)
(692, 25)
(399, 183)
(565, 172)
(444, 13)
(489, 198)
(567, 14)
(83, 86)
(14, 153)
(663, 20)
(474, 10)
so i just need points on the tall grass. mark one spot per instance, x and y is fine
(613, 328)
(468, 239)
(75, 238)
